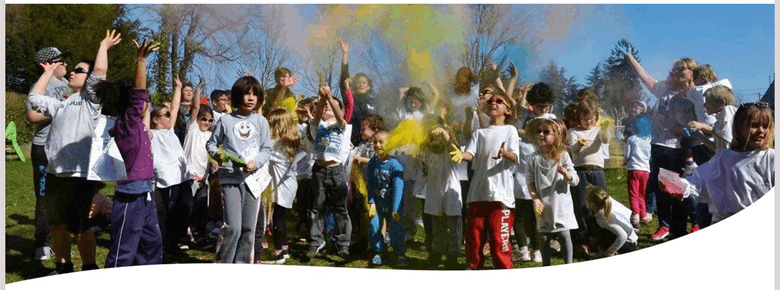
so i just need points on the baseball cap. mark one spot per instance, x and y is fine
(47, 54)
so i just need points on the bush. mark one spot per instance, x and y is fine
(14, 111)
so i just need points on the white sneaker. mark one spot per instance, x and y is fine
(522, 255)
(43, 253)
(635, 220)
(537, 256)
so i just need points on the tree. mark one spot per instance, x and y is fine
(202, 38)
(563, 89)
(595, 79)
(494, 29)
(621, 85)
(74, 28)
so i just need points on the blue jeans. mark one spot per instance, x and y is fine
(39, 163)
(586, 223)
(672, 213)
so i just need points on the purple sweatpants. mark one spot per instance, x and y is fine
(135, 234)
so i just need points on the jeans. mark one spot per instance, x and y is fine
(586, 223)
(672, 213)
(39, 163)
(526, 233)
(329, 189)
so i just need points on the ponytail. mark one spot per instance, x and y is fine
(597, 198)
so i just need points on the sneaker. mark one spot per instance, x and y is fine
(62, 268)
(402, 262)
(419, 222)
(43, 253)
(344, 251)
(537, 256)
(647, 219)
(661, 233)
(314, 250)
(689, 167)
(695, 228)
(280, 259)
(635, 220)
(376, 260)
(184, 247)
(285, 254)
(522, 255)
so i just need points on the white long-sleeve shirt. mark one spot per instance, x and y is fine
(553, 190)
(731, 181)
(619, 223)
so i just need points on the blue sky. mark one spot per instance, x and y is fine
(737, 40)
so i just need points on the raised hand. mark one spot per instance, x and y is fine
(501, 151)
(344, 45)
(456, 154)
(324, 92)
(177, 81)
(513, 69)
(112, 39)
(144, 49)
(291, 81)
(201, 83)
(50, 67)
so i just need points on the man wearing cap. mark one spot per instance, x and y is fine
(58, 88)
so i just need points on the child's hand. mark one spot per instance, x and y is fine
(144, 49)
(112, 39)
(469, 111)
(324, 92)
(501, 151)
(177, 81)
(695, 126)
(214, 165)
(562, 170)
(220, 156)
(456, 154)
(396, 216)
(250, 167)
(50, 67)
(289, 82)
(344, 45)
(372, 210)
(538, 206)
(201, 84)
(442, 132)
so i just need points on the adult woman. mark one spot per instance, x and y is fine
(364, 101)
(669, 112)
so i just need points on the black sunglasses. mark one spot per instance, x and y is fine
(497, 101)
(206, 120)
(80, 70)
(546, 131)
(167, 114)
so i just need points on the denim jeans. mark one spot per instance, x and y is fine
(672, 213)
(586, 223)
(329, 191)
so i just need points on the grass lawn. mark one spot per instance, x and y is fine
(20, 203)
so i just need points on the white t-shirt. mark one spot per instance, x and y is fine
(662, 120)
(731, 181)
(637, 153)
(195, 149)
(696, 96)
(170, 165)
(331, 143)
(217, 116)
(619, 223)
(553, 190)
(284, 182)
(443, 187)
(590, 155)
(722, 127)
(492, 179)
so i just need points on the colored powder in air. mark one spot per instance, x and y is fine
(409, 134)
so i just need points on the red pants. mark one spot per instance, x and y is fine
(637, 185)
(491, 221)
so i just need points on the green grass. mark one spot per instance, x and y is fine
(20, 265)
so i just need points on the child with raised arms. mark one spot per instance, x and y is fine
(243, 134)
(198, 132)
(174, 179)
(548, 173)
(494, 153)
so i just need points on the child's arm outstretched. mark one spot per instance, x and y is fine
(217, 137)
(334, 106)
(195, 108)
(349, 100)
(138, 100)
(40, 107)
(176, 98)
(620, 238)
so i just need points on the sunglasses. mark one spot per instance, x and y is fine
(206, 120)
(496, 101)
(546, 131)
(80, 70)
(166, 114)
(760, 105)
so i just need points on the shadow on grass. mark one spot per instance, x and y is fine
(22, 219)
(19, 258)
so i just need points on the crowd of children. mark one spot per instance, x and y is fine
(351, 184)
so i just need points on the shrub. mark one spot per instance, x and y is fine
(14, 111)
